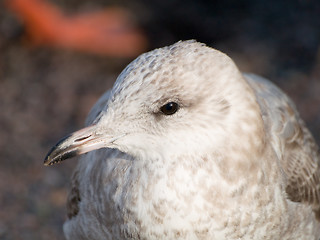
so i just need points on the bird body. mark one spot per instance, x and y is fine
(191, 148)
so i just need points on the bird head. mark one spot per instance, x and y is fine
(186, 98)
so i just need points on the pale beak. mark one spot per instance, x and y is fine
(82, 141)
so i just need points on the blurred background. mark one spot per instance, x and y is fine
(58, 56)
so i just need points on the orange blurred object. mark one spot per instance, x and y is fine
(108, 32)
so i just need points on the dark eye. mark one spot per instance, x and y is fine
(169, 108)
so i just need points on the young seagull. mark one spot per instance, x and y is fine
(191, 148)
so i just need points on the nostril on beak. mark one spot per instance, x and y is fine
(81, 139)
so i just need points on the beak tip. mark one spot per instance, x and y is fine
(46, 162)
(57, 155)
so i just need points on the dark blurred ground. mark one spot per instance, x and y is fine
(46, 93)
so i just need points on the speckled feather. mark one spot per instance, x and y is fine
(235, 162)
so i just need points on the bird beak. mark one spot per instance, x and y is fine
(80, 142)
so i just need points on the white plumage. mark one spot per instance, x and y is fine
(191, 148)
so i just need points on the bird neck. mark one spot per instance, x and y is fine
(246, 142)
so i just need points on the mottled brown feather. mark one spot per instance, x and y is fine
(299, 158)
(73, 197)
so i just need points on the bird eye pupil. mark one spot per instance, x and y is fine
(169, 108)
